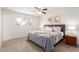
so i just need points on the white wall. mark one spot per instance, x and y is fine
(11, 30)
(69, 16)
(0, 28)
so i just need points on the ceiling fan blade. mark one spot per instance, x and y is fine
(44, 12)
(44, 9)
(37, 8)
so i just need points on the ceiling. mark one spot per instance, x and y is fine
(25, 10)
(33, 11)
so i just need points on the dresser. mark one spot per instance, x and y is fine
(71, 40)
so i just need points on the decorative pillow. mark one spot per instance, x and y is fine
(56, 29)
(48, 29)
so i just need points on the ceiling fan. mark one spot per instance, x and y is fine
(42, 10)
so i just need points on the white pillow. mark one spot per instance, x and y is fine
(48, 29)
(57, 29)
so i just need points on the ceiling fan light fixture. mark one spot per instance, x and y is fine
(38, 13)
(41, 10)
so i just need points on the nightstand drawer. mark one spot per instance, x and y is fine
(71, 40)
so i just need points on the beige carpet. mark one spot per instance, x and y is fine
(23, 45)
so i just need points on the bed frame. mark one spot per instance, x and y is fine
(62, 29)
(60, 25)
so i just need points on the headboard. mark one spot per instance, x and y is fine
(61, 25)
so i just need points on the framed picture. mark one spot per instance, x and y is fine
(54, 19)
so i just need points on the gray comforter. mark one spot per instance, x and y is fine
(46, 42)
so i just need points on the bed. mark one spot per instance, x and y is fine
(47, 39)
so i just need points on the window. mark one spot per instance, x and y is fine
(23, 21)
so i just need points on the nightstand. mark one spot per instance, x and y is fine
(71, 40)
